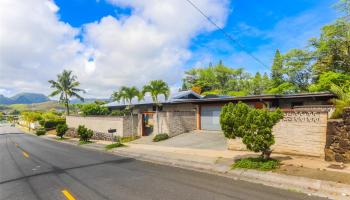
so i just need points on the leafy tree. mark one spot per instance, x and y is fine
(128, 94)
(327, 79)
(259, 84)
(66, 86)
(233, 118)
(93, 109)
(61, 129)
(31, 117)
(332, 48)
(277, 69)
(258, 135)
(342, 101)
(156, 88)
(84, 133)
(344, 7)
(254, 126)
(298, 69)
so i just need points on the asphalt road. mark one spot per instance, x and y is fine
(35, 168)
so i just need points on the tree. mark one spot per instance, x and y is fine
(254, 126)
(31, 117)
(258, 135)
(156, 88)
(66, 86)
(298, 69)
(332, 49)
(61, 129)
(93, 109)
(344, 7)
(84, 133)
(342, 101)
(127, 94)
(277, 69)
(327, 79)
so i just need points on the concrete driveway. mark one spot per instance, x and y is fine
(213, 140)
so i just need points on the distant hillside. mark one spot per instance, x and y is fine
(45, 106)
(87, 100)
(24, 98)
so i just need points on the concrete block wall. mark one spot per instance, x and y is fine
(99, 124)
(175, 123)
(298, 133)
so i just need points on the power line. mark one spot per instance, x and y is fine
(227, 35)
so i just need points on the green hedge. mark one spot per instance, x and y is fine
(40, 131)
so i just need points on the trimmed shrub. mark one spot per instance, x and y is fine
(160, 137)
(40, 131)
(254, 126)
(61, 129)
(84, 133)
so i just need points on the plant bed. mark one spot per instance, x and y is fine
(114, 145)
(256, 163)
(160, 137)
(128, 139)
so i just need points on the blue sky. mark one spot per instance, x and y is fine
(114, 43)
(257, 24)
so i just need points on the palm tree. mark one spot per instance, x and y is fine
(156, 88)
(341, 102)
(127, 94)
(66, 85)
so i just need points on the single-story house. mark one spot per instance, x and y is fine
(207, 108)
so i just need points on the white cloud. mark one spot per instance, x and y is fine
(151, 43)
(34, 44)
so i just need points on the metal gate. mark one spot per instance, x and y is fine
(210, 118)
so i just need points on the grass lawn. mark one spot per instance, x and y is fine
(256, 163)
(84, 142)
(114, 145)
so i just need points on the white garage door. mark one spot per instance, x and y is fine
(210, 118)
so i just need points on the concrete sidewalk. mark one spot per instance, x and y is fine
(219, 162)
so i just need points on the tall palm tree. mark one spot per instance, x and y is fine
(156, 88)
(341, 102)
(127, 94)
(66, 85)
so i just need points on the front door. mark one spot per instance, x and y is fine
(147, 124)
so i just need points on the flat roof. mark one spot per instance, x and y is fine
(229, 99)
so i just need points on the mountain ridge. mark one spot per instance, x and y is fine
(24, 98)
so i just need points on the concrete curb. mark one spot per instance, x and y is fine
(309, 186)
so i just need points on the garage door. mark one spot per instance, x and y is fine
(210, 118)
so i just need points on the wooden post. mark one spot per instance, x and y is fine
(198, 117)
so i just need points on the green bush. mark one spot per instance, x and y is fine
(256, 163)
(84, 133)
(40, 131)
(160, 137)
(254, 126)
(61, 129)
(120, 112)
(93, 109)
(52, 124)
